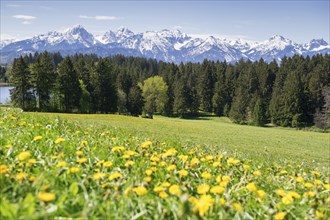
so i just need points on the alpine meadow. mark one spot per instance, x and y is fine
(201, 120)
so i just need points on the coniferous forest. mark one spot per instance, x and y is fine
(294, 93)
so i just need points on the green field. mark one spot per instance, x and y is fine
(59, 166)
(265, 143)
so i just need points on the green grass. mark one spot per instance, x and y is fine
(117, 167)
(265, 143)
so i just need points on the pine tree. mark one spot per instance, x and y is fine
(135, 101)
(21, 94)
(85, 98)
(259, 113)
(68, 85)
(180, 97)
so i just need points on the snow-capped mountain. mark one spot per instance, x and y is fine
(166, 45)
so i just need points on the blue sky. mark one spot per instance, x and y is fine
(299, 21)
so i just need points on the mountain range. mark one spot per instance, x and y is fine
(166, 45)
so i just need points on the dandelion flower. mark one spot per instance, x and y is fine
(61, 164)
(294, 194)
(147, 179)
(158, 189)
(217, 190)
(74, 170)
(216, 164)
(260, 194)
(81, 160)
(279, 216)
(171, 167)
(203, 204)
(183, 173)
(59, 140)
(287, 199)
(163, 195)
(37, 138)
(98, 176)
(107, 164)
(3, 168)
(24, 155)
(146, 144)
(115, 175)
(257, 173)
(308, 185)
(175, 190)
(46, 196)
(251, 187)
(237, 207)
(79, 153)
(203, 189)
(140, 190)
(117, 149)
(206, 175)
(299, 179)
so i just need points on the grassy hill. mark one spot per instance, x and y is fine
(265, 143)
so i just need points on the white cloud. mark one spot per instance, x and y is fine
(177, 27)
(25, 17)
(27, 22)
(99, 17)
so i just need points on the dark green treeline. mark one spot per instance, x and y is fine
(295, 93)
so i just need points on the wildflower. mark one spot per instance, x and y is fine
(216, 164)
(203, 204)
(183, 158)
(154, 158)
(46, 196)
(287, 199)
(79, 153)
(115, 175)
(32, 161)
(203, 189)
(74, 170)
(280, 192)
(117, 149)
(61, 164)
(140, 190)
(279, 216)
(158, 189)
(3, 168)
(217, 190)
(315, 173)
(308, 185)
(317, 182)
(169, 152)
(83, 143)
(32, 178)
(21, 176)
(327, 186)
(283, 172)
(107, 164)
(148, 172)
(299, 179)
(319, 215)
(154, 169)
(81, 160)
(251, 187)
(37, 138)
(145, 144)
(193, 200)
(129, 163)
(294, 194)
(260, 194)
(175, 190)
(171, 167)
(232, 161)
(194, 162)
(98, 176)
(59, 140)
(226, 178)
(257, 173)
(165, 184)
(206, 175)
(237, 207)
(24, 155)
(183, 173)
(310, 194)
(163, 195)
(147, 179)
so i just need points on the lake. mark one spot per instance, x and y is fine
(5, 94)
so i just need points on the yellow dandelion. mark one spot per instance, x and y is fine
(299, 179)
(140, 190)
(216, 164)
(251, 187)
(171, 167)
(319, 215)
(183, 158)
(183, 173)
(107, 164)
(294, 194)
(308, 185)
(310, 194)
(3, 168)
(226, 178)
(257, 173)
(237, 207)
(194, 162)
(326, 186)
(246, 167)
(61, 164)
(315, 173)
(279, 216)
(115, 175)
(148, 172)
(287, 199)
(175, 190)
(154, 158)
(203, 204)
(74, 170)
(317, 182)
(37, 138)
(165, 184)
(79, 153)
(81, 160)
(59, 140)
(163, 195)
(129, 163)
(98, 176)
(280, 192)
(260, 194)
(24, 155)
(46, 196)
(32, 178)
(158, 189)
(147, 179)
(217, 190)
(203, 189)
(206, 175)
(193, 200)
(146, 144)
(117, 149)
(232, 161)
(21, 176)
